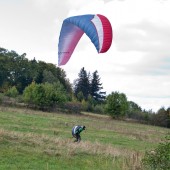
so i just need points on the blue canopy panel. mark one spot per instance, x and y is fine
(96, 27)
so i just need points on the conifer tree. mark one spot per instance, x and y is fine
(89, 86)
(96, 87)
(82, 84)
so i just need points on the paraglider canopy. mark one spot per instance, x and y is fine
(96, 27)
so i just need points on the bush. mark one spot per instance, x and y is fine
(162, 118)
(87, 106)
(44, 96)
(73, 107)
(158, 159)
(99, 109)
(142, 117)
(0, 100)
(12, 92)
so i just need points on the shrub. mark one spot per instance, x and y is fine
(158, 159)
(45, 95)
(12, 92)
(87, 105)
(161, 118)
(73, 107)
(99, 109)
(0, 99)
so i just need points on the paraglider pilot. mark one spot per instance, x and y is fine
(76, 132)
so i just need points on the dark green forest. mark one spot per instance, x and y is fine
(45, 86)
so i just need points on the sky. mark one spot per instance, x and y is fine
(138, 61)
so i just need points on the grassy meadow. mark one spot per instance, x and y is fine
(34, 140)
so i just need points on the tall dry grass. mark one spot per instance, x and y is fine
(55, 146)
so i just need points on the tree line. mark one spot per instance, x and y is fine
(44, 86)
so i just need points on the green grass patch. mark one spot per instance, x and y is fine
(42, 141)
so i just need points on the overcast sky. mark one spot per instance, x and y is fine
(138, 62)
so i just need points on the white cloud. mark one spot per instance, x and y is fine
(138, 62)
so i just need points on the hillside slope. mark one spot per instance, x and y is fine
(41, 141)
